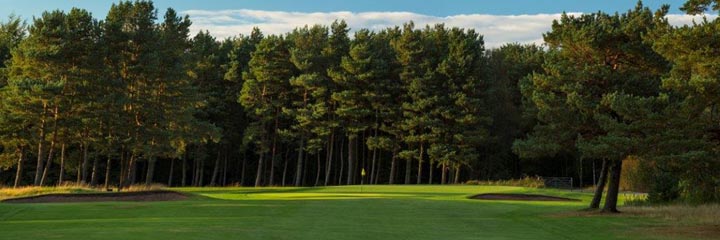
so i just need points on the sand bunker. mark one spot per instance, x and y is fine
(520, 197)
(144, 196)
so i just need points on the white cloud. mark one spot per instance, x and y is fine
(497, 29)
(683, 19)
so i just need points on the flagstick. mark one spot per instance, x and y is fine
(362, 179)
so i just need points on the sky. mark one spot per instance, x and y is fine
(501, 22)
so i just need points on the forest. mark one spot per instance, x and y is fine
(135, 99)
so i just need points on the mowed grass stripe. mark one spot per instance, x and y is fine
(379, 212)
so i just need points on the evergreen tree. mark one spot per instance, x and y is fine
(11, 33)
(265, 92)
(309, 107)
(353, 108)
(570, 97)
(684, 151)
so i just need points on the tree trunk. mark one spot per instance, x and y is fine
(56, 115)
(194, 170)
(107, 172)
(123, 167)
(443, 174)
(351, 159)
(317, 175)
(170, 174)
(150, 170)
(94, 177)
(304, 174)
(430, 170)
(372, 166)
(225, 166)
(580, 173)
(62, 164)
(393, 167)
(329, 158)
(299, 169)
(272, 156)
(242, 169)
(457, 175)
(613, 188)
(77, 181)
(84, 162)
(39, 169)
(408, 169)
(377, 174)
(132, 169)
(184, 169)
(342, 161)
(216, 169)
(18, 172)
(420, 161)
(595, 203)
(48, 162)
(258, 176)
(201, 173)
(285, 170)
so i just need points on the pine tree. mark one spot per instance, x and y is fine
(570, 96)
(264, 94)
(12, 33)
(682, 150)
(414, 53)
(335, 50)
(309, 92)
(463, 117)
(238, 62)
(353, 108)
(132, 39)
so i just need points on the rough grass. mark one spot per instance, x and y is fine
(347, 212)
(527, 181)
(6, 193)
(698, 222)
(10, 192)
(681, 214)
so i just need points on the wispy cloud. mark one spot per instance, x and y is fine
(497, 29)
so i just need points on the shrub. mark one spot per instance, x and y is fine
(531, 182)
(664, 188)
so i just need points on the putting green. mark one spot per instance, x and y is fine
(378, 212)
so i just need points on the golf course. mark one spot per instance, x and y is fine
(359, 120)
(344, 212)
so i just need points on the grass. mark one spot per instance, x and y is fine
(6, 193)
(347, 212)
(31, 191)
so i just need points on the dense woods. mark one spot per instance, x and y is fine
(135, 99)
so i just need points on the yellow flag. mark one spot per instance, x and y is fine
(363, 172)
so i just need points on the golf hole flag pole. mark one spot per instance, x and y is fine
(362, 178)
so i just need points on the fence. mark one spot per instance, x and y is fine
(559, 182)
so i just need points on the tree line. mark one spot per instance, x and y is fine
(133, 98)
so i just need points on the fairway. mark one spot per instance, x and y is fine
(378, 212)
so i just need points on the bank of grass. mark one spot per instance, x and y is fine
(345, 212)
(10, 192)
(530, 182)
(681, 214)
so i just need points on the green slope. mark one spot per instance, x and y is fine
(378, 212)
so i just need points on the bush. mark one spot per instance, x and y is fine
(531, 182)
(664, 188)
(635, 200)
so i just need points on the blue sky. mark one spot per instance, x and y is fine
(428, 7)
(501, 22)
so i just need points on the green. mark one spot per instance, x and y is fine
(379, 212)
